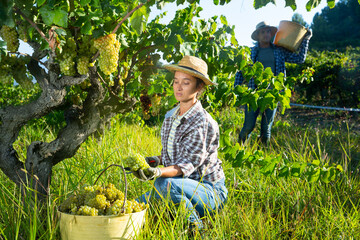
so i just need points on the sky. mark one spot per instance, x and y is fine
(242, 14)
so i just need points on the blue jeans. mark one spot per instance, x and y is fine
(199, 198)
(267, 119)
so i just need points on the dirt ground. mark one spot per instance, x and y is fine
(322, 119)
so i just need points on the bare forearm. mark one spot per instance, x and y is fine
(171, 171)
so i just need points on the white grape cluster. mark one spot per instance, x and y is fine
(135, 162)
(13, 67)
(66, 58)
(19, 72)
(109, 48)
(130, 207)
(97, 200)
(82, 65)
(5, 73)
(22, 31)
(10, 36)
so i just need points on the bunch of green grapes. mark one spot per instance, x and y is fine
(22, 31)
(10, 36)
(87, 211)
(83, 65)
(135, 162)
(130, 207)
(85, 51)
(109, 48)
(13, 67)
(97, 200)
(112, 193)
(18, 67)
(155, 104)
(66, 57)
(5, 72)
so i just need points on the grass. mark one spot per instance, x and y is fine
(258, 207)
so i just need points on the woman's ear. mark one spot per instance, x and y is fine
(200, 86)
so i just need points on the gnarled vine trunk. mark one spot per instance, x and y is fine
(81, 122)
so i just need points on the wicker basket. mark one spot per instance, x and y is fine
(77, 227)
(289, 35)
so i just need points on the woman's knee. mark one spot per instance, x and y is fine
(165, 185)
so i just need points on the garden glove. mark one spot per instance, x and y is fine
(153, 161)
(308, 34)
(147, 174)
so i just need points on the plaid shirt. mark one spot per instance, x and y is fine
(281, 56)
(195, 145)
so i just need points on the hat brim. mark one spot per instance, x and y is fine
(194, 73)
(255, 34)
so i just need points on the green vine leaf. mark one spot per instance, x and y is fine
(291, 3)
(313, 174)
(40, 2)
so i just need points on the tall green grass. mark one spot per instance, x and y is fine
(258, 207)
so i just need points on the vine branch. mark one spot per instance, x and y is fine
(17, 10)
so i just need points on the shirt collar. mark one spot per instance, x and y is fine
(188, 113)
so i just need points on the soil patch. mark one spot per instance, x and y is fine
(318, 118)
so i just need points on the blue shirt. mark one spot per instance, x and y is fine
(281, 56)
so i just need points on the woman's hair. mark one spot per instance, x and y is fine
(202, 90)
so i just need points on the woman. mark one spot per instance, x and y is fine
(192, 172)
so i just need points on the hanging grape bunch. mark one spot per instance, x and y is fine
(109, 48)
(10, 36)
(155, 104)
(97, 200)
(85, 51)
(67, 56)
(22, 31)
(135, 162)
(12, 67)
(5, 72)
(145, 106)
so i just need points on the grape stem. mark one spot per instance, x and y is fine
(32, 24)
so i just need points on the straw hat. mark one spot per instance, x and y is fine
(194, 66)
(255, 34)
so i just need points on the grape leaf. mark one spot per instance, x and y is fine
(239, 159)
(313, 174)
(284, 171)
(331, 3)
(266, 101)
(60, 18)
(84, 2)
(291, 3)
(86, 28)
(312, 4)
(47, 15)
(40, 2)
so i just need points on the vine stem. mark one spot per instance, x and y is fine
(17, 10)
(108, 88)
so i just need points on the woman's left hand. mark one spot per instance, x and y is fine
(147, 174)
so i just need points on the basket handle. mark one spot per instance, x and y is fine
(125, 193)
